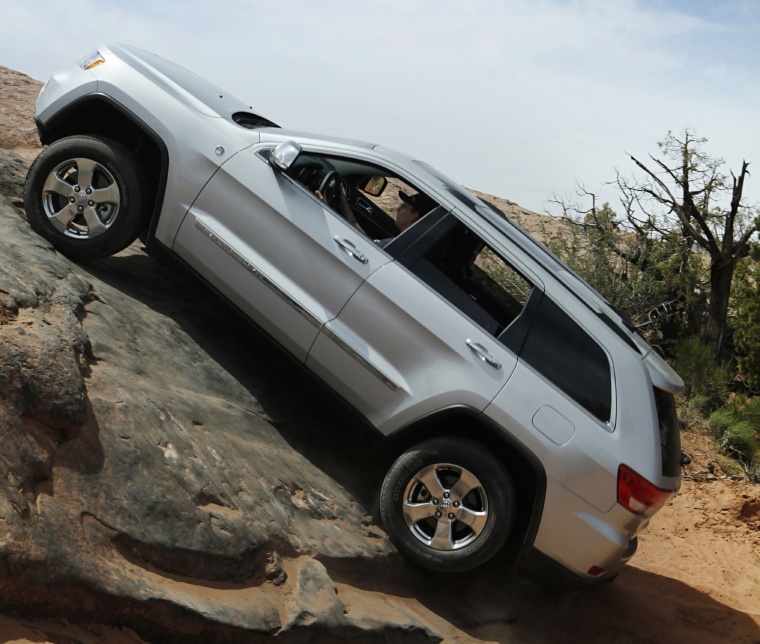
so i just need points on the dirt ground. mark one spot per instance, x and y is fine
(696, 576)
(708, 539)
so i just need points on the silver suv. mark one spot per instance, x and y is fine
(523, 409)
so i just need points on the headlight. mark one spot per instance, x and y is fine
(92, 60)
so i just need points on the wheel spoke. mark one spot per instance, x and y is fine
(416, 512)
(55, 184)
(109, 194)
(94, 225)
(475, 520)
(85, 170)
(429, 478)
(63, 217)
(466, 484)
(442, 539)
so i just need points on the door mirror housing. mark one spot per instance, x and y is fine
(284, 155)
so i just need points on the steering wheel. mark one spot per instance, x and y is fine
(328, 188)
(336, 193)
(308, 175)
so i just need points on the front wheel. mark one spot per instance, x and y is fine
(84, 194)
(448, 504)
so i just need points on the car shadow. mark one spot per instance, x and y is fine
(313, 422)
(639, 606)
(495, 603)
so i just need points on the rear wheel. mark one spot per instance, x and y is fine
(84, 194)
(448, 504)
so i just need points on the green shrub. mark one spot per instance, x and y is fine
(647, 277)
(753, 471)
(737, 432)
(695, 361)
(751, 413)
(746, 296)
(698, 405)
(740, 441)
(719, 422)
(730, 466)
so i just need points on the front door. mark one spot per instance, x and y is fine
(278, 252)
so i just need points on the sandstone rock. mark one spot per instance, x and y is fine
(143, 481)
(12, 174)
(315, 599)
(19, 93)
(139, 470)
(19, 142)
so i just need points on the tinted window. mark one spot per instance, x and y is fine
(559, 349)
(474, 278)
(347, 186)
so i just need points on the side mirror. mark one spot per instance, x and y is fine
(284, 155)
(375, 185)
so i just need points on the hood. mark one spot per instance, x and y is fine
(191, 89)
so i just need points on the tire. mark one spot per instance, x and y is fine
(84, 194)
(466, 485)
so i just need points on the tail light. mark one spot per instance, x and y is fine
(637, 494)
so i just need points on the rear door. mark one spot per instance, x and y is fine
(275, 249)
(439, 327)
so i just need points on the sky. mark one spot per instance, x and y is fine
(523, 99)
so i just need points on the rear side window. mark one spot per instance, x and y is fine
(474, 278)
(560, 350)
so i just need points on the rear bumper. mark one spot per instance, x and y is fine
(577, 543)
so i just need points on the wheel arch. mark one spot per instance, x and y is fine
(99, 115)
(528, 474)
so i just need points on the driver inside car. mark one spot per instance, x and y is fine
(412, 208)
(408, 212)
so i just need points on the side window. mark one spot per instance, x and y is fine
(474, 278)
(390, 200)
(561, 351)
(371, 198)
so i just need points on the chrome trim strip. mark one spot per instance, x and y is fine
(312, 319)
(360, 359)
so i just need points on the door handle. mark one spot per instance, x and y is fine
(483, 354)
(351, 250)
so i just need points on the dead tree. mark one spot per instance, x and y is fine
(689, 186)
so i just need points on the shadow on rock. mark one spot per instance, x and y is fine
(316, 425)
(83, 452)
